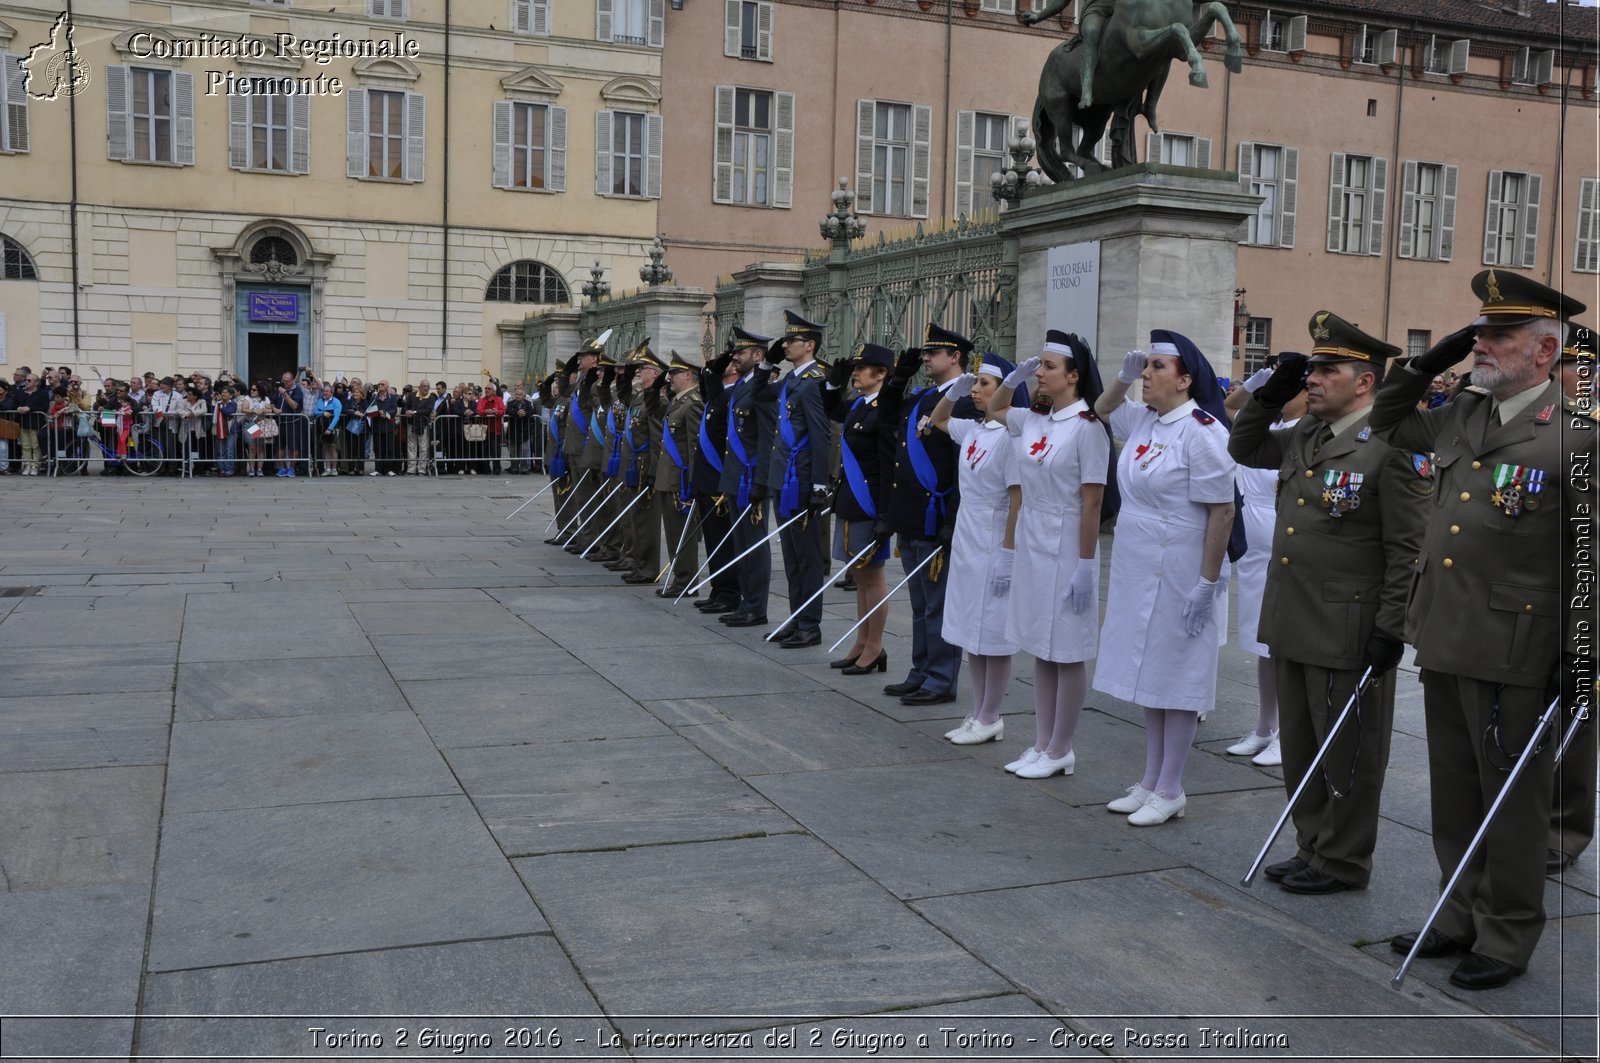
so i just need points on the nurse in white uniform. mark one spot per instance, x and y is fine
(982, 550)
(1166, 611)
(1258, 493)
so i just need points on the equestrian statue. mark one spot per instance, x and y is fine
(1114, 69)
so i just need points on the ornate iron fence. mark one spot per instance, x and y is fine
(624, 315)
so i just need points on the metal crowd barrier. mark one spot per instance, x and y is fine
(464, 445)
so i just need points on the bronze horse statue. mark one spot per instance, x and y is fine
(1137, 45)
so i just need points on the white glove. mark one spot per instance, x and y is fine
(1197, 609)
(1133, 364)
(1256, 379)
(1000, 582)
(1023, 372)
(961, 387)
(1080, 592)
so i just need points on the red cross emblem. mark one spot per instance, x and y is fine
(972, 446)
(1034, 450)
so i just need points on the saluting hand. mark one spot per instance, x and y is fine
(961, 387)
(1133, 364)
(1287, 381)
(1022, 373)
(1447, 352)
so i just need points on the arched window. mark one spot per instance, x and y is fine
(269, 248)
(15, 265)
(527, 282)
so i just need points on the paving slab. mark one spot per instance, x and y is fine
(511, 710)
(259, 884)
(656, 673)
(719, 931)
(608, 795)
(83, 730)
(74, 828)
(121, 630)
(514, 649)
(42, 675)
(432, 618)
(264, 689)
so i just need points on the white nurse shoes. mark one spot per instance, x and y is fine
(1045, 766)
(976, 733)
(1137, 796)
(1157, 810)
(1029, 755)
(1271, 756)
(1251, 744)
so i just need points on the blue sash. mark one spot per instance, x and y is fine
(614, 462)
(736, 448)
(789, 496)
(927, 477)
(558, 465)
(578, 421)
(853, 476)
(708, 451)
(670, 447)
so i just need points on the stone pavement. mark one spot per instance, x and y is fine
(320, 752)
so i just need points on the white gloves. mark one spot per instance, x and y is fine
(1000, 583)
(1080, 592)
(1256, 379)
(1133, 364)
(1197, 608)
(1022, 373)
(961, 387)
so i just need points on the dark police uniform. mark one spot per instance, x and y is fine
(677, 448)
(1487, 621)
(711, 505)
(751, 426)
(856, 498)
(1350, 515)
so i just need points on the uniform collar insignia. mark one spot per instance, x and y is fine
(1544, 415)
(1364, 435)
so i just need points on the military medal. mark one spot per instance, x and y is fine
(1516, 489)
(1155, 452)
(1342, 493)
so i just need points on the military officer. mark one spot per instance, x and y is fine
(582, 463)
(1486, 616)
(919, 506)
(553, 398)
(798, 473)
(602, 451)
(751, 426)
(641, 434)
(676, 448)
(1350, 514)
(711, 505)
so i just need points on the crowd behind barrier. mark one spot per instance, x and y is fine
(293, 427)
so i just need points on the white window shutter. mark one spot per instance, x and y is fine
(416, 131)
(1297, 33)
(300, 134)
(1202, 152)
(1377, 204)
(1388, 43)
(1530, 222)
(722, 146)
(1447, 212)
(14, 91)
(652, 163)
(521, 16)
(541, 18)
(966, 122)
(921, 158)
(1152, 147)
(764, 16)
(1460, 52)
(1544, 67)
(119, 135)
(1408, 212)
(6, 63)
(658, 23)
(501, 126)
(1583, 254)
(783, 149)
(602, 153)
(732, 44)
(602, 20)
(1247, 162)
(1491, 224)
(183, 118)
(1336, 202)
(1290, 186)
(865, 111)
(239, 131)
(556, 153)
(355, 148)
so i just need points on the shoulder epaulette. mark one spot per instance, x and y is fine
(1476, 390)
(1203, 417)
(1088, 415)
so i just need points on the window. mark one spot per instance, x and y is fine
(271, 133)
(999, 7)
(1178, 149)
(1273, 173)
(754, 147)
(631, 21)
(1273, 32)
(15, 265)
(1532, 68)
(1428, 211)
(385, 135)
(273, 249)
(1511, 227)
(387, 8)
(149, 115)
(892, 158)
(1257, 343)
(527, 282)
(748, 29)
(1357, 190)
(530, 146)
(1418, 341)
(627, 154)
(1366, 48)
(1586, 256)
(13, 104)
(531, 16)
(980, 152)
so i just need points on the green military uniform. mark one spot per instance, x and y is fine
(581, 469)
(1487, 621)
(641, 526)
(1351, 511)
(676, 449)
(556, 421)
(609, 422)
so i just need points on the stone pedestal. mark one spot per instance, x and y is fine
(672, 319)
(547, 341)
(1169, 245)
(770, 288)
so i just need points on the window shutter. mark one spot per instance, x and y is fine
(299, 134)
(1583, 255)
(521, 16)
(658, 23)
(783, 149)
(416, 128)
(764, 15)
(14, 95)
(556, 153)
(1152, 147)
(118, 135)
(1544, 67)
(865, 109)
(1530, 221)
(501, 125)
(1447, 212)
(183, 118)
(5, 95)
(722, 146)
(1388, 43)
(602, 20)
(921, 158)
(1336, 202)
(732, 45)
(965, 123)
(239, 131)
(1408, 213)
(1460, 51)
(1491, 223)
(355, 147)
(1377, 214)
(1247, 160)
(602, 151)
(1290, 187)
(1297, 33)
(1202, 152)
(541, 18)
(652, 162)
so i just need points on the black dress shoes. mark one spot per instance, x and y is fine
(743, 619)
(1310, 880)
(1276, 872)
(843, 662)
(1433, 946)
(799, 640)
(864, 667)
(716, 605)
(847, 582)
(924, 696)
(900, 690)
(1556, 861)
(673, 592)
(781, 634)
(636, 578)
(573, 548)
(1483, 972)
